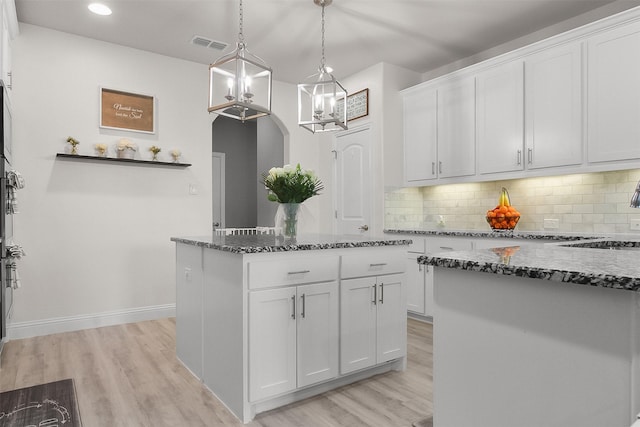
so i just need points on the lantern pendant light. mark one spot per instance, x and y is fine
(240, 83)
(322, 100)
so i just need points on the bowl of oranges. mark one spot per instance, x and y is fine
(504, 216)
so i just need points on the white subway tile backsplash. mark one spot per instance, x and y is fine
(596, 202)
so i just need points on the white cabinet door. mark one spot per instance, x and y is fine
(357, 324)
(272, 342)
(456, 128)
(428, 290)
(317, 332)
(415, 284)
(420, 136)
(391, 322)
(613, 91)
(500, 118)
(189, 282)
(553, 94)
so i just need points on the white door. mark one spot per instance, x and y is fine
(218, 162)
(272, 342)
(317, 333)
(357, 324)
(391, 318)
(353, 182)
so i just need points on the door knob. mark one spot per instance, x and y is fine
(364, 227)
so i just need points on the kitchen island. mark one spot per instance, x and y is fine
(537, 336)
(265, 322)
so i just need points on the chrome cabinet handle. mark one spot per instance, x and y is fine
(375, 295)
(519, 157)
(299, 272)
(379, 264)
(433, 168)
(446, 248)
(440, 167)
(381, 293)
(529, 155)
(364, 228)
(293, 302)
(303, 306)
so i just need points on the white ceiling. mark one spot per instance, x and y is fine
(420, 35)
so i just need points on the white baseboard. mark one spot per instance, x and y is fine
(18, 330)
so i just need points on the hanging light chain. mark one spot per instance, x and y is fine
(322, 31)
(241, 34)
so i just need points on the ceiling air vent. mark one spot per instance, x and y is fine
(205, 42)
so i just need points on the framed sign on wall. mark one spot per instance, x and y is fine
(127, 111)
(357, 105)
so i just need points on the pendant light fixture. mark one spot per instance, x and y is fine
(635, 199)
(240, 83)
(322, 101)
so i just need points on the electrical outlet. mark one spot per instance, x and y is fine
(634, 224)
(551, 223)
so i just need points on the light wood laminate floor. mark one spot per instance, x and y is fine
(128, 375)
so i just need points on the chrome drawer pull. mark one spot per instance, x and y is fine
(299, 272)
(303, 306)
(375, 295)
(381, 293)
(379, 264)
(293, 301)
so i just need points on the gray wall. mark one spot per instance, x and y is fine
(270, 154)
(254, 146)
(238, 141)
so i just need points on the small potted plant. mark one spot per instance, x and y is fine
(74, 143)
(154, 150)
(126, 149)
(175, 154)
(101, 149)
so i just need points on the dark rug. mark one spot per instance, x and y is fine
(46, 405)
(427, 422)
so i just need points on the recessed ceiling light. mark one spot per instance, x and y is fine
(100, 9)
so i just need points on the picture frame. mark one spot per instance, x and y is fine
(127, 111)
(358, 105)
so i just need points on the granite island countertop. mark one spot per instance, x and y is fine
(262, 243)
(616, 269)
(526, 235)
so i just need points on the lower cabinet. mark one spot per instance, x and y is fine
(419, 286)
(373, 321)
(293, 336)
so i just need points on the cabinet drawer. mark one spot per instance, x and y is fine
(372, 264)
(283, 271)
(444, 244)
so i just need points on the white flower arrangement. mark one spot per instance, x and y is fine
(125, 144)
(175, 154)
(101, 149)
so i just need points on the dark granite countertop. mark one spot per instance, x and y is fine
(269, 243)
(617, 269)
(495, 234)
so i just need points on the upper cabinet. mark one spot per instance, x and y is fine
(614, 94)
(553, 107)
(568, 104)
(500, 104)
(420, 135)
(439, 137)
(9, 32)
(456, 128)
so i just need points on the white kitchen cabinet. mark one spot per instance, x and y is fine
(613, 89)
(293, 338)
(500, 117)
(553, 106)
(372, 321)
(189, 280)
(415, 283)
(456, 128)
(9, 31)
(420, 135)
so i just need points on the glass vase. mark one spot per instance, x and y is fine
(289, 215)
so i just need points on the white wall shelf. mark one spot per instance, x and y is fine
(115, 159)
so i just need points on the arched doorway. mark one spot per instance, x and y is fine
(249, 149)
